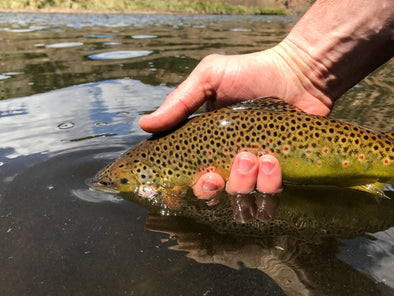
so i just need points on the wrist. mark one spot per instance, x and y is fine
(338, 42)
(303, 76)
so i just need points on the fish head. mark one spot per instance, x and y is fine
(111, 182)
(125, 175)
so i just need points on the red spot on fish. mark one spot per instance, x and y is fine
(319, 163)
(285, 148)
(325, 150)
(309, 152)
(193, 156)
(386, 161)
(345, 163)
(296, 163)
(225, 150)
(270, 141)
(255, 146)
(209, 153)
(173, 161)
(361, 157)
(227, 166)
(218, 162)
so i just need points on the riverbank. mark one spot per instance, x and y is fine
(139, 6)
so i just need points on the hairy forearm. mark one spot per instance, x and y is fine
(337, 43)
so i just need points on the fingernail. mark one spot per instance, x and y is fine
(245, 165)
(267, 166)
(209, 186)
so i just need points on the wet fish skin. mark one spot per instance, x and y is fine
(311, 149)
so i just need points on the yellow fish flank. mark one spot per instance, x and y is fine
(311, 149)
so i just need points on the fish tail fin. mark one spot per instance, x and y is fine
(390, 135)
(376, 189)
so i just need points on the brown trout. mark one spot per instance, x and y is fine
(311, 149)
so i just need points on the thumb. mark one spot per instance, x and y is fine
(183, 101)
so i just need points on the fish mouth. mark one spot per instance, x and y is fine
(95, 184)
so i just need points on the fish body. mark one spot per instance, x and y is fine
(311, 149)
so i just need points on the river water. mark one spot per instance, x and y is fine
(72, 88)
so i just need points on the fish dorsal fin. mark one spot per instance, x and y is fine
(267, 104)
(390, 135)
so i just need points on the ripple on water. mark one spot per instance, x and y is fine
(120, 54)
(66, 125)
(64, 44)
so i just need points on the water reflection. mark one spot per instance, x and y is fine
(42, 123)
(294, 239)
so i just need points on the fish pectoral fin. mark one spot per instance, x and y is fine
(376, 189)
(173, 197)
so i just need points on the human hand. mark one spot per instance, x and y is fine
(222, 80)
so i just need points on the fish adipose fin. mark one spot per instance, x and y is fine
(376, 189)
(267, 104)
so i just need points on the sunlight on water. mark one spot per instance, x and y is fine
(143, 36)
(64, 45)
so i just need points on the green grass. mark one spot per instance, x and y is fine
(174, 6)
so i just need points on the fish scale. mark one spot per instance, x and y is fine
(311, 149)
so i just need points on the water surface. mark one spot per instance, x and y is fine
(72, 89)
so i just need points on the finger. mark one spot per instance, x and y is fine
(269, 178)
(243, 175)
(184, 100)
(208, 185)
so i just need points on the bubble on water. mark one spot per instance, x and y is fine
(120, 54)
(66, 125)
(1, 163)
(143, 36)
(101, 123)
(50, 187)
(64, 45)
